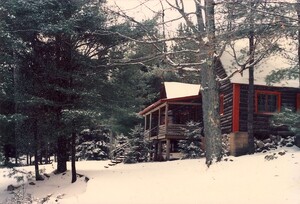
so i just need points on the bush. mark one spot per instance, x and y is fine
(138, 147)
(93, 145)
(92, 150)
(191, 147)
(288, 118)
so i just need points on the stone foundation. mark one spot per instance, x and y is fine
(238, 143)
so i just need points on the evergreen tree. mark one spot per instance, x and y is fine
(191, 147)
(65, 80)
(138, 147)
(185, 51)
(93, 144)
(58, 73)
(288, 118)
(8, 63)
(133, 84)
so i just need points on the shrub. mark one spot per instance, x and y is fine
(288, 118)
(138, 147)
(191, 147)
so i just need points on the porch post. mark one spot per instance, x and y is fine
(158, 119)
(168, 149)
(155, 144)
(150, 125)
(159, 150)
(145, 126)
(166, 117)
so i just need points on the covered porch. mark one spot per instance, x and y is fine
(165, 120)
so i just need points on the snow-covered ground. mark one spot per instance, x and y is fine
(246, 179)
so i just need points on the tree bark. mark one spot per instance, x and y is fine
(298, 16)
(250, 116)
(210, 92)
(73, 157)
(6, 150)
(61, 154)
(38, 177)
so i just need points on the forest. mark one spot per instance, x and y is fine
(74, 74)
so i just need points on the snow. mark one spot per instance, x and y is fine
(178, 90)
(247, 179)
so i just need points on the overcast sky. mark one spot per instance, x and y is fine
(141, 10)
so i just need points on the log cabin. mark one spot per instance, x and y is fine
(181, 102)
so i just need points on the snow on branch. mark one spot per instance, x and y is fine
(246, 64)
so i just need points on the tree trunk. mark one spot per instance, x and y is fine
(6, 155)
(210, 93)
(251, 148)
(298, 15)
(16, 155)
(27, 159)
(38, 177)
(61, 154)
(73, 156)
(211, 117)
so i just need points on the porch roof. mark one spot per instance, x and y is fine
(164, 100)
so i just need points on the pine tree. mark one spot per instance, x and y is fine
(138, 147)
(182, 56)
(289, 118)
(93, 144)
(54, 71)
(191, 146)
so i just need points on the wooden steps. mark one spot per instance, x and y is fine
(115, 161)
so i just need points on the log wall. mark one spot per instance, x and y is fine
(227, 90)
(262, 127)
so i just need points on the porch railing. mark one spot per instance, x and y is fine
(161, 131)
(175, 129)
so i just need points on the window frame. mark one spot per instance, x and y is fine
(261, 92)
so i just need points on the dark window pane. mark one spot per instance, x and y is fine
(272, 103)
(261, 100)
(267, 102)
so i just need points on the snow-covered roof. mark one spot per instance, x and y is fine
(264, 67)
(178, 90)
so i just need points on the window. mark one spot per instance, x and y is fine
(267, 101)
(221, 104)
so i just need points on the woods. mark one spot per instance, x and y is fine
(56, 84)
(68, 66)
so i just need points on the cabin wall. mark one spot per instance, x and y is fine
(262, 127)
(226, 118)
(227, 91)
